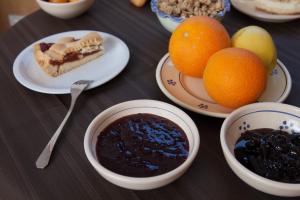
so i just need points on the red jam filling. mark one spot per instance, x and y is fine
(45, 46)
(70, 57)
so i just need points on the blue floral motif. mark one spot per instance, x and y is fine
(203, 106)
(155, 9)
(244, 127)
(289, 127)
(171, 82)
(274, 72)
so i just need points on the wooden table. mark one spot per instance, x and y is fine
(28, 119)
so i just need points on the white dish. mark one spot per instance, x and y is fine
(133, 107)
(100, 70)
(189, 92)
(65, 10)
(247, 7)
(254, 116)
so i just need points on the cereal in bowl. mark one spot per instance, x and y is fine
(189, 8)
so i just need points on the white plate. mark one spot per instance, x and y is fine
(248, 7)
(100, 70)
(189, 92)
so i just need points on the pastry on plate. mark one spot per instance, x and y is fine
(68, 53)
(283, 7)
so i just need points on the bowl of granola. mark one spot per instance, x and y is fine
(172, 12)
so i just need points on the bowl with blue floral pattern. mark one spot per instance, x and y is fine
(258, 116)
(172, 12)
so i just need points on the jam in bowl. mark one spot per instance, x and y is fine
(261, 145)
(141, 144)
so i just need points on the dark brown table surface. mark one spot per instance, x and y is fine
(28, 119)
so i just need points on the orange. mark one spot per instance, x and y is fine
(194, 41)
(235, 77)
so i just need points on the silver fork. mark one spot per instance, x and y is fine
(44, 158)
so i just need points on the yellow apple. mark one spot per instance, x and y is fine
(259, 41)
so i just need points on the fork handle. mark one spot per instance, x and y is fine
(45, 155)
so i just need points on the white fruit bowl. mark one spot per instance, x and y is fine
(65, 10)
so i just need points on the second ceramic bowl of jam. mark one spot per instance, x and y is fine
(141, 144)
(261, 144)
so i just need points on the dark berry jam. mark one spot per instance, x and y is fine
(142, 145)
(45, 46)
(67, 58)
(70, 57)
(273, 154)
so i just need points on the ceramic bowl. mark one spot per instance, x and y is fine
(254, 116)
(190, 93)
(170, 22)
(65, 10)
(133, 107)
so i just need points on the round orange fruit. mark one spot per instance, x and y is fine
(194, 41)
(235, 77)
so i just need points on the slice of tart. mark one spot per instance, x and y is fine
(283, 7)
(68, 53)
